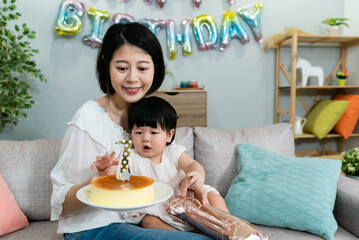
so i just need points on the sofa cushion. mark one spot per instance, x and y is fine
(26, 167)
(276, 190)
(323, 117)
(216, 149)
(184, 137)
(11, 217)
(348, 120)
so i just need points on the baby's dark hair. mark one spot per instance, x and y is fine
(151, 111)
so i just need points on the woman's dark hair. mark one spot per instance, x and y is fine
(135, 34)
(151, 111)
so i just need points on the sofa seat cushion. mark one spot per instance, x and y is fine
(216, 149)
(276, 233)
(36, 230)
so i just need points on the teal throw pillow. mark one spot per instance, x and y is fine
(277, 190)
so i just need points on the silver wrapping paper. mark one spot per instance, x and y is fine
(213, 222)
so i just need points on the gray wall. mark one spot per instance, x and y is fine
(240, 80)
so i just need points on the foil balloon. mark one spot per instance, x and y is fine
(94, 39)
(153, 24)
(68, 19)
(232, 1)
(171, 39)
(148, 2)
(184, 38)
(201, 22)
(253, 19)
(160, 3)
(232, 28)
(196, 3)
(122, 18)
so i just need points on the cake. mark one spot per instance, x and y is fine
(109, 191)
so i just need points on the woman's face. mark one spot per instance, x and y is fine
(131, 72)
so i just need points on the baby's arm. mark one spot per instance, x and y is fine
(195, 176)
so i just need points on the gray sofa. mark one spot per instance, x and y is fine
(26, 166)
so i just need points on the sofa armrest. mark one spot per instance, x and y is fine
(346, 210)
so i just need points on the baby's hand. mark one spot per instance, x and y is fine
(194, 181)
(106, 164)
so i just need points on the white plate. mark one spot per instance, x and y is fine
(162, 193)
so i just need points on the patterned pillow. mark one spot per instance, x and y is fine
(276, 190)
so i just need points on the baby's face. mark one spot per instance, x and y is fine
(150, 142)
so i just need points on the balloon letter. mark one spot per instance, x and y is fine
(94, 39)
(161, 3)
(68, 19)
(232, 28)
(196, 4)
(183, 38)
(253, 19)
(122, 18)
(153, 24)
(208, 22)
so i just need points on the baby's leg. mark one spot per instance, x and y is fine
(217, 201)
(150, 221)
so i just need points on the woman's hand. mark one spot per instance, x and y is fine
(106, 165)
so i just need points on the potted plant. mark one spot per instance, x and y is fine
(350, 163)
(17, 66)
(335, 25)
(342, 76)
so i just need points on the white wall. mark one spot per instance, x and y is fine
(240, 80)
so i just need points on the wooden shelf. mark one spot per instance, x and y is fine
(295, 42)
(330, 135)
(321, 87)
(347, 41)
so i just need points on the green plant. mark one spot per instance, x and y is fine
(350, 163)
(17, 66)
(336, 21)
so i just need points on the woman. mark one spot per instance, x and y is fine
(130, 65)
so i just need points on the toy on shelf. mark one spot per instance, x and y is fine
(308, 70)
(188, 85)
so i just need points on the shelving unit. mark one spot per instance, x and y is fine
(296, 41)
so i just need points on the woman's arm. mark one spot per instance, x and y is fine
(73, 171)
(71, 204)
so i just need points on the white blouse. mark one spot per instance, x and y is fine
(90, 133)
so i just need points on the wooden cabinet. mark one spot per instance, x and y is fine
(295, 42)
(191, 106)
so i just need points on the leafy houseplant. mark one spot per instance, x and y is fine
(350, 163)
(16, 61)
(336, 21)
(335, 25)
